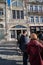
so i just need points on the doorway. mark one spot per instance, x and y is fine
(18, 33)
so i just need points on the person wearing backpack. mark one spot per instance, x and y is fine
(22, 45)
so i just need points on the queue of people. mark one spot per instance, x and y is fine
(32, 49)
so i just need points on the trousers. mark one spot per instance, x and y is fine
(25, 57)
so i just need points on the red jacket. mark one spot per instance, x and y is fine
(35, 49)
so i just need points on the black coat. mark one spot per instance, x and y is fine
(22, 44)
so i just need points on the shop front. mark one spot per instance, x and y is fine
(36, 29)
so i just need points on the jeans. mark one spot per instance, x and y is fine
(25, 57)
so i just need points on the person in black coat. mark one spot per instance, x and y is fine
(40, 36)
(23, 44)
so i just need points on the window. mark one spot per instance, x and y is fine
(31, 8)
(1, 11)
(37, 19)
(41, 19)
(36, 8)
(14, 3)
(18, 14)
(22, 15)
(1, 34)
(12, 33)
(14, 14)
(32, 19)
(40, 8)
(18, 3)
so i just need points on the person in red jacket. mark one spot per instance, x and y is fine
(35, 51)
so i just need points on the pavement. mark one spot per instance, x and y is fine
(10, 54)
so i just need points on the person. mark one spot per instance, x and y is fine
(23, 44)
(35, 51)
(40, 36)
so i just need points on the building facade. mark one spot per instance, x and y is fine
(17, 22)
(21, 15)
(34, 10)
(2, 18)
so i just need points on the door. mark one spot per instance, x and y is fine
(18, 33)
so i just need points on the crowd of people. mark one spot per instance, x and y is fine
(32, 48)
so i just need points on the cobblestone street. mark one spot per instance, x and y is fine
(10, 54)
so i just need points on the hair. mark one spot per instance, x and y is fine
(33, 36)
(24, 31)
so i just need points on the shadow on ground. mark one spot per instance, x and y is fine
(9, 62)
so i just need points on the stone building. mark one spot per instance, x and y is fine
(21, 15)
(34, 9)
(2, 18)
(17, 22)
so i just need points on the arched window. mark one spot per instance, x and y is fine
(19, 26)
(14, 3)
(17, 3)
